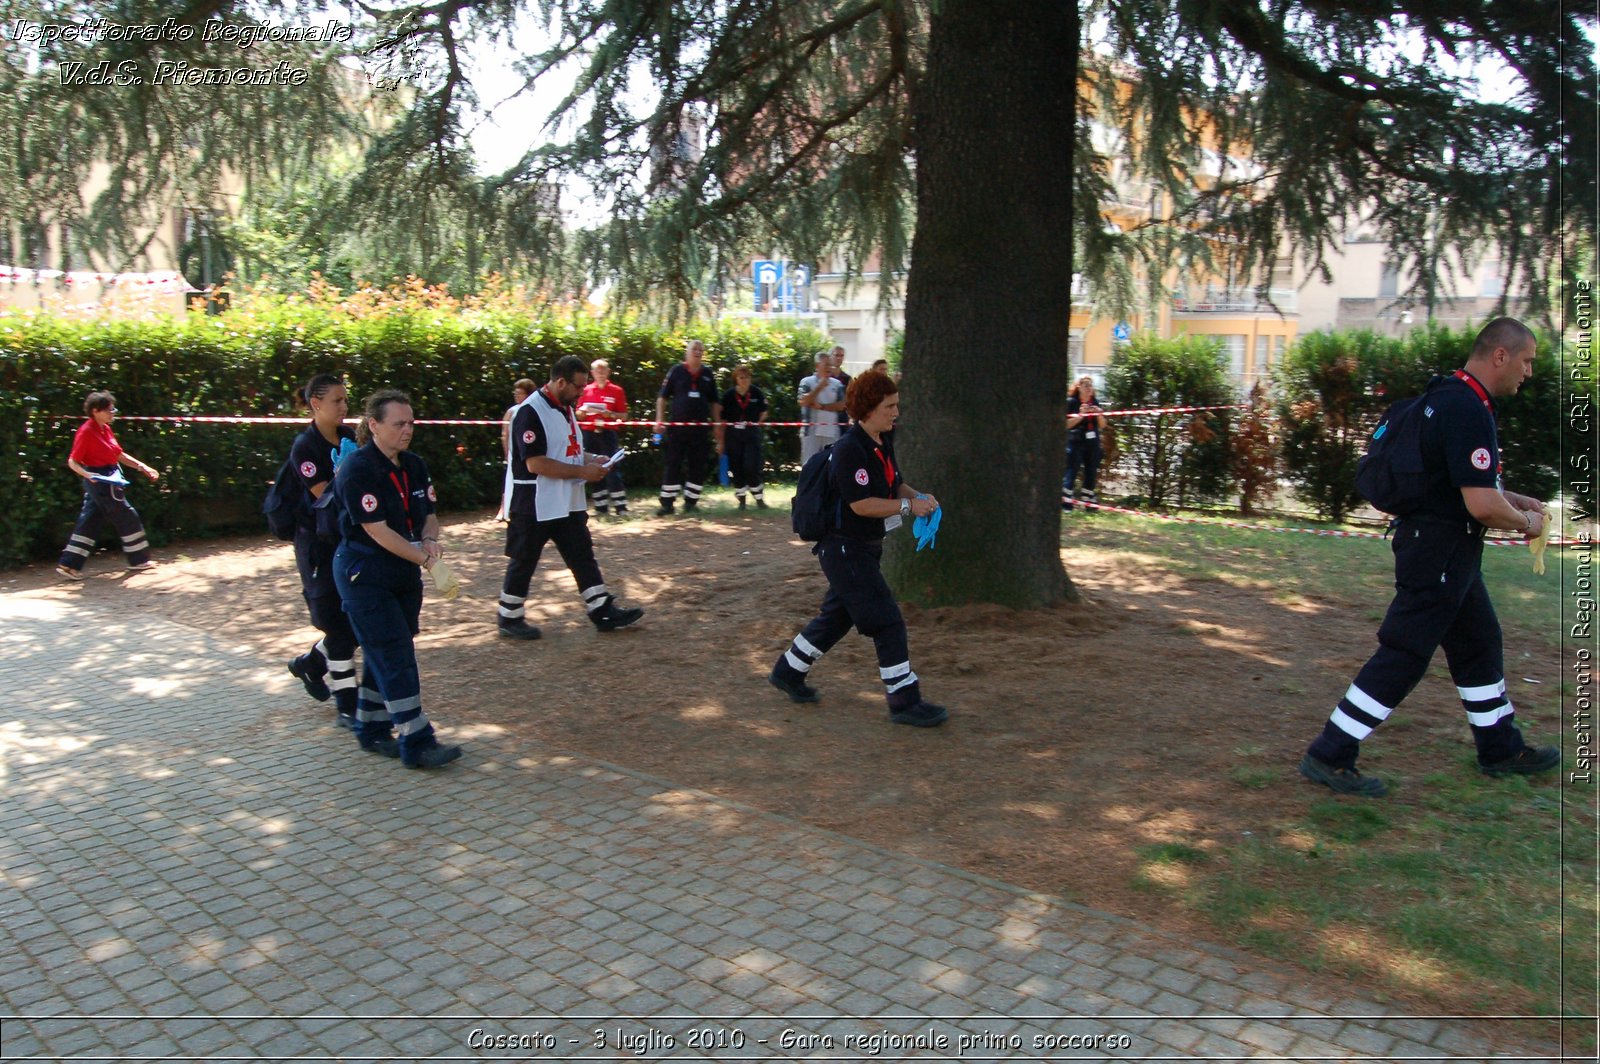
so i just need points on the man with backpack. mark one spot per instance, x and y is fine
(1448, 437)
(850, 495)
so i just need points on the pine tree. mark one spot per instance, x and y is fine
(949, 140)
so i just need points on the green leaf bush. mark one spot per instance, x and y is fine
(1173, 459)
(456, 357)
(1333, 387)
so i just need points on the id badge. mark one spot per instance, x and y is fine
(694, 395)
(1090, 435)
(891, 523)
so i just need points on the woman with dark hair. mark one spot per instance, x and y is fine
(874, 501)
(329, 667)
(391, 534)
(1085, 424)
(745, 407)
(98, 458)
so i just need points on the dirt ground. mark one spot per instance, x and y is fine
(1076, 734)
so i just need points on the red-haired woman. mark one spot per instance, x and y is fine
(874, 500)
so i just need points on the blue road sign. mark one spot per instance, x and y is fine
(767, 271)
(1120, 332)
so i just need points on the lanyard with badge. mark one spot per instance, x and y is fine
(1483, 397)
(405, 497)
(889, 523)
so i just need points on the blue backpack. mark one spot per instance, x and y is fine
(817, 508)
(1391, 475)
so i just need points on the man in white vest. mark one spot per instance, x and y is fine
(545, 475)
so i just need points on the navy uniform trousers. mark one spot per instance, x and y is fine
(857, 595)
(1082, 454)
(610, 491)
(525, 542)
(334, 655)
(744, 461)
(683, 466)
(382, 596)
(105, 504)
(1440, 601)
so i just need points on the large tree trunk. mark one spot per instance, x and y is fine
(988, 301)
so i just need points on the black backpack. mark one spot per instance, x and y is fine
(284, 504)
(1390, 475)
(817, 507)
(325, 515)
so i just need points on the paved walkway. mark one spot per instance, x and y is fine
(191, 871)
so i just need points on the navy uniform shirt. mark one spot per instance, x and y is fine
(530, 439)
(1089, 427)
(863, 469)
(312, 456)
(372, 488)
(1460, 447)
(690, 395)
(747, 408)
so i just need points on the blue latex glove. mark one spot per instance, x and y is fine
(339, 453)
(926, 529)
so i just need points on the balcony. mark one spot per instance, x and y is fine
(1236, 301)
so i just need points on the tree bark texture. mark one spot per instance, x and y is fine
(988, 301)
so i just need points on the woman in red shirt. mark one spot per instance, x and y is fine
(98, 459)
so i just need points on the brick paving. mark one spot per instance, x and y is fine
(192, 870)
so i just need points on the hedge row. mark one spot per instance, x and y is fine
(1176, 459)
(1334, 386)
(1329, 392)
(457, 360)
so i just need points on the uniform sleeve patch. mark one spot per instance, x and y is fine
(527, 437)
(308, 469)
(369, 502)
(861, 477)
(1480, 458)
(431, 496)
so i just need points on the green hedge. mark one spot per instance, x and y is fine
(1173, 458)
(457, 360)
(1334, 386)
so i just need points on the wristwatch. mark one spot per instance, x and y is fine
(905, 507)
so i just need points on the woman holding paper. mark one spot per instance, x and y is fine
(98, 459)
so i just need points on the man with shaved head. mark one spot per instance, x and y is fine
(1440, 599)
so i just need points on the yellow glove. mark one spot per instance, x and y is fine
(445, 582)
(1538, 546)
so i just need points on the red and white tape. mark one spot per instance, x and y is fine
(598, 423)
(1152, 410)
